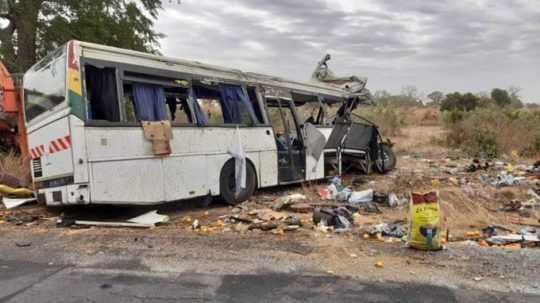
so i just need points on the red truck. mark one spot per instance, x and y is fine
(12, 129)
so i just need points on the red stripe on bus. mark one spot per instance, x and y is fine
(33, 153)
(55, 147)
(41, 149)
(62, 144)
(68, 139)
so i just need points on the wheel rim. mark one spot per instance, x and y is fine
(385, 157)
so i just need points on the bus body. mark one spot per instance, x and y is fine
(84, 105)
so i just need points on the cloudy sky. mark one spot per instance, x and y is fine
(467, 45)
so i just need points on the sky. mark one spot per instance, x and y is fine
(467, 45)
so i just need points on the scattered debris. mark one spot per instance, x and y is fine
(150, 218)
(15, 202)
(510, 239)
(23, 244)
(504, 178)
(11, 192)
(477, 165)
(265, 226)
(147, 220)
(395, 230)
(269, 215)
(379, 264)
(340, 218)
(288, 200)
(358, 197)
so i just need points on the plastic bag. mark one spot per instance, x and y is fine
(425, 221)
(358, 197)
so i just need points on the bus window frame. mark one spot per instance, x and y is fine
(59, 107)
(121, 68)
(119, 90)
(244, 85)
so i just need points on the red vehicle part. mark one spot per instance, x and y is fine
(12, 128)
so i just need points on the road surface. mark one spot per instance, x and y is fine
(33, 282)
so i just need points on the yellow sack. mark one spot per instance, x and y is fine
(425, 221)
(15, 192)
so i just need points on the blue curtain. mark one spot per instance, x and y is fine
(232, 97)
(199, 115)
(150, 102)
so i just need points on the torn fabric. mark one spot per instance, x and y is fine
(240, 167)
(315, 142)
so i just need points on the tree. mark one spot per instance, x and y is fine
(515, 98)
(410, 91)
(35, 27)
(501, 97)
(457, 101)
(437, 97)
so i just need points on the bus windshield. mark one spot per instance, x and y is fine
(45, 85)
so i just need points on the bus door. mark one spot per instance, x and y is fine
(289, 141)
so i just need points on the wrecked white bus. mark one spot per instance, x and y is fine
(113, 126)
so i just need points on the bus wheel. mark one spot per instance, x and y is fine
(227, 183)
(389, 157)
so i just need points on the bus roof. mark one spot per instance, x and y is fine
(220, 72)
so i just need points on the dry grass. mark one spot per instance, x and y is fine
(420, 140)
(425, 116)
(14, 165)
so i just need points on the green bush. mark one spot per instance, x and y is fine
(387, 117)
(493, 131)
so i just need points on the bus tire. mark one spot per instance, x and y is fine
(227, 183)
(390, 160)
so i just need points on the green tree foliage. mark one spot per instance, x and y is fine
(458, 101)
(34, 27)
(437, 97)
(513, 92)
(406, 98)
(501, 97)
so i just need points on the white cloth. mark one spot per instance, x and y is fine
(237, 152)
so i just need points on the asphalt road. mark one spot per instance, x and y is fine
(32, 282)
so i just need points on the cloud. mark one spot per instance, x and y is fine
(471, 45)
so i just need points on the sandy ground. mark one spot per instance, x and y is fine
(222, 247)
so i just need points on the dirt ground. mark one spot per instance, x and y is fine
(225, 245)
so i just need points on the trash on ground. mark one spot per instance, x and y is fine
(395, 230)
(477, 165)
(150, 218)
(358, 197)
(510, 239)
(425, 221)
(15, 202)
(11, 192)
(265, 226)
(23, 244)
(504, 178)
(147, 220)
(68, 223)
(394, 201)
(340, 218)
(288, 200)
